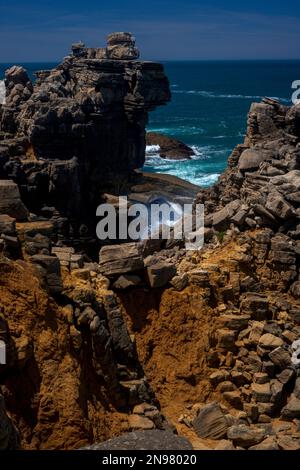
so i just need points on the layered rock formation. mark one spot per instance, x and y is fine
(168, 147)
(79, 126)
(144, 333)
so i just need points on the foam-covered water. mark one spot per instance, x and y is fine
(208, 111)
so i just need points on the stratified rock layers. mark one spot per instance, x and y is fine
(81, 125)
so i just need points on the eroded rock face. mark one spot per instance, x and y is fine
(170, 148)
(141, 440)
(79, 126)
(9, 438)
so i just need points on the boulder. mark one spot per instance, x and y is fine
(250, 159)
(120, 259)
(280, 357)
(144, 440)
(244, 436)
(268, 444)
(292, 409)
(121, 46)
(278, 206)
(211, 422)
(160, 274)
(140, 422)
(168, 147)
(7, 225)
(126, 281)
(10, 201)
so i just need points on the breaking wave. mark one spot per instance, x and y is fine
(211, 94)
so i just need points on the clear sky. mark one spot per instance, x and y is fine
(190, 29)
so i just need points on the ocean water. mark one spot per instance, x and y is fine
(208, 111)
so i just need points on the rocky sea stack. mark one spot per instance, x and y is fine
(112, 344)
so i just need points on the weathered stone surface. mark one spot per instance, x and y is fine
(251, 159)
(280, 357)
(126, 281)
(244, 436)
(120, 259)
(234, 399)
(10, 201)
(211, 422)
(160, 274)
(144, 440)
(168, 147)
(270, 341)
(222, 218)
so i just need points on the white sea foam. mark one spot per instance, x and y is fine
(152, 149)
(2, 92)
(211, 94)
(179, 130)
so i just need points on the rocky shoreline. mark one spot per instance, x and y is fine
(138, 341)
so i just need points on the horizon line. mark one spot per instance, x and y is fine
(165, 60)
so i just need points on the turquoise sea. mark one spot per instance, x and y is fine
(210, 101)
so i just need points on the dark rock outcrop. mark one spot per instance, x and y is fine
(169, 147)
(144, 440)
(9, 438)
(81, 125)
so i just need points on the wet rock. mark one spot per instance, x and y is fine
(270, 341)
(168, 147)
(219, 376)
(10, 201)
(268, 444)
(251, 159)
(222, 218)
(234, 399)
(140, 422)
(261, 392)
(280, 357)
(126, 281)
(291, 410)
(288, 442)
(9, 437)
(234, 322)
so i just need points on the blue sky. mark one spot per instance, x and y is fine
(190, 29)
